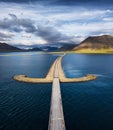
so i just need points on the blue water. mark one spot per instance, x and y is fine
(88, 105)
(25, 106)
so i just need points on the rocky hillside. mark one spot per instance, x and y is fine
(96, 42)
(8, 48)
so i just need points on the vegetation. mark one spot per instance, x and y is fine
(93, 51)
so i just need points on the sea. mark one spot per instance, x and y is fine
(86, 105)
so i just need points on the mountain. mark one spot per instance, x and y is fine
(8, 48)
(67, 47)
(58, 48)
(104, 42)
(34, 49)
(46, 47)
(50, 47)
(54, 47)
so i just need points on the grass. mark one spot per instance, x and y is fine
(86, 51)
(97, 51)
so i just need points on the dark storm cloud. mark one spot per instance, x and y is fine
(84, 1)
(59, 2)
(5, 36)
(17, 25)
(48, 33)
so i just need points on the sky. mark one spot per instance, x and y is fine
(33, 22)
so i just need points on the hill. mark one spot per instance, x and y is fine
(56, 47)
(8, 48)
(66, 47)
(34, 49)
(95, 44)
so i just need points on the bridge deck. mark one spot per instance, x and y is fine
(56, 119)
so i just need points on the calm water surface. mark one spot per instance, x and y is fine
(87, 106)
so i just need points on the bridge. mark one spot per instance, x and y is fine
(50, 75)
(56, 118)
(55, 76)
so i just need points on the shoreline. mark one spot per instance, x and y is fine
(86, 51)
(61, 52)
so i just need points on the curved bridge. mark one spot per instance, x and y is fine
(50, 75)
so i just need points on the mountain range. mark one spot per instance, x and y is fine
(46, 48)
(91, 44)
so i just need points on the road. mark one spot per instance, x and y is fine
(56, 119)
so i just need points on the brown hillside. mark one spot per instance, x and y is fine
(7, 48)
(97, 42)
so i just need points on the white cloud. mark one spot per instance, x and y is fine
(75, 22)
(27, 42)
(109, 19)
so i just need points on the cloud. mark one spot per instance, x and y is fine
(26, 35)
(48, 33)
(5, 36)
(37, 24)
(109, 19)
(15, 24)
(51, 35)
(61, 2)
(73, 2)
(13, 16)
